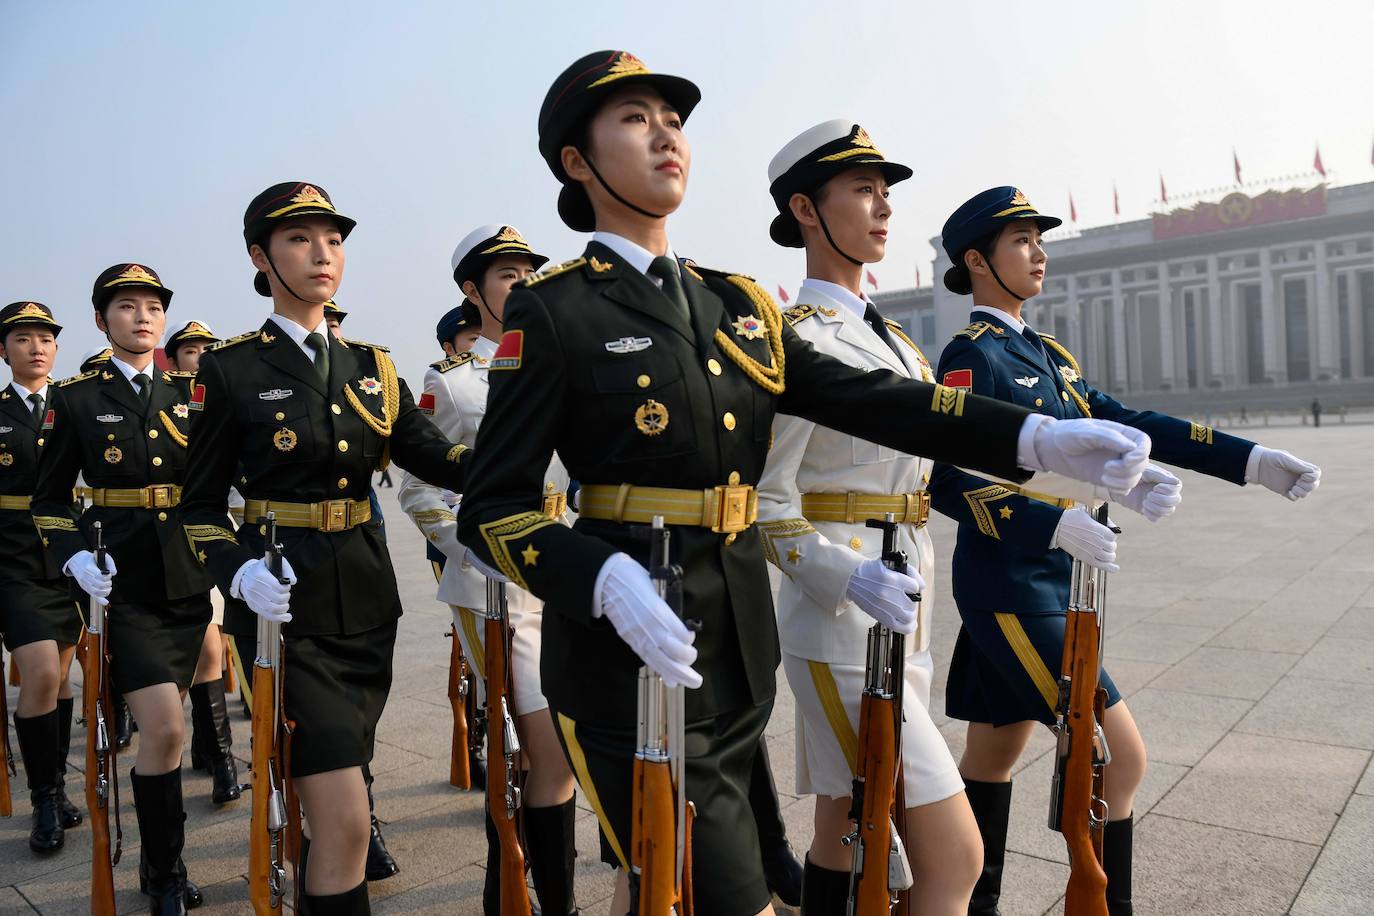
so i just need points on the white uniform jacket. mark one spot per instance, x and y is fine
(456, 393)
(815, 619)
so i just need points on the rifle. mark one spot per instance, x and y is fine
(459, 691)
(7, 771)
(271, 823)
(102, 778)
(880, 871)
(661, 831)
(504, 794)
(1078, 807)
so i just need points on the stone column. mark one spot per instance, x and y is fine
(1217, 370)
(1167, 363)
(1275, 369)
(1120, 380)
(1326, 362)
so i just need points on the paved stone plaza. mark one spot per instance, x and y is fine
(1242, 631)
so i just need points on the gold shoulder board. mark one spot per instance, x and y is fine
(552, 272)
(798, 313)
(453, 362)
(236, 339)
(975, 330)
(365, 344)
(78, 378)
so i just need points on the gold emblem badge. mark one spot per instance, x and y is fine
(510, 234)
(651, 418)
(196, 327)
(105, 376)
(1019, 199)
(600, 266)
(267, 338)
(625, 64)
(310, 195)
(181, 410)
(6, 459)
(827, 312)
(749, 327)
(138, 273)
(861, 138)
(284, 439)
(31, 310)
(113, 455)
(1070, 376)
(369, 386)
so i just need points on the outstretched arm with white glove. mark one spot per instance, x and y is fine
(93, 580)
(1280, 471)
(1157, 496)
(626, 596)
(1084, 538)
(265, 594)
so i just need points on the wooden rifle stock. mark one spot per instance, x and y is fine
(102, 790)
(270, 825)
(6, 758)
(880, 872)
(503, 744)
(1077, 809)
(459, 770)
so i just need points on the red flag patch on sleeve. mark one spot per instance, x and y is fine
(510, 352)
(959, 378)
(197, 397)
(427, 404)
(49, 418)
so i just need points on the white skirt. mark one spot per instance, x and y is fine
(527, 618)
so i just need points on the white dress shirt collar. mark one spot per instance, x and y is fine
(129, 371)
(856, 304)
(298, 332)
(634, 254)
(1006, 318)
(25, 393)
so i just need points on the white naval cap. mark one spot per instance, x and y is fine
(482, 244)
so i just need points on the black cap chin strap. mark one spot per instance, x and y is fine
(830, 238)
(611, 191)
(1017, 296)
(482, 301)
(277, 274)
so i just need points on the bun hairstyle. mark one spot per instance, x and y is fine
(957, 278)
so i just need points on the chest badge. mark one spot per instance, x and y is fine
(628, 344)
(113, 455)
(181, 410)
(284, 439)
(651, 418)
(369, 386)
(276, 394)
(109, 418)
(1029, 381)
(6, 429)
(6, 459)
(1069, 373)
(749, 327)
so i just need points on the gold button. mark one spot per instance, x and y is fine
(855, 543)
(343, 482)
(40, 440)
(734, 478)
(162, 516)
(1039, 401)
(728, 420)
(152, 434)
(280, 415)
(157, 462)
(549, 486)
(110, 437)
(713, 365)
(343, 446)
(643, 381)
(335, 408)
(262, 529)
(1064, 395)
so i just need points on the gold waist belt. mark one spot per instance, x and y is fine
(853, 508)
(330, 516)
(20, 503)
(725, 509)
(156, 496)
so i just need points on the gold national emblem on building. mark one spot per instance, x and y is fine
(651, 418)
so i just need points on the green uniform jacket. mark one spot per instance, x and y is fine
(101, 430)
(587, 346)
(21, 448)
(264, 421)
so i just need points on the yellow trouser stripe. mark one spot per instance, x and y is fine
(1030, 659)
(829, 694)
(438, 570)
(479, 659)
(584, 779)
(244, 675)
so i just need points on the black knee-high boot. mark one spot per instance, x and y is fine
(781, 868)
(991, 804)
(380, 863)
(38, 747)
(349, 903)
(553, 854)
(1117, 840)
(824, 892)
(212, 740)
(71, 814)
(162, 826)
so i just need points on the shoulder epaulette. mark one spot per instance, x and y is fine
(453, 362)
(798, 313)
(177, 373)
(90, 373)
(236, 339)
(895, 325)
(550, 273)
(721, 273)
(363, 343)
(978, 328)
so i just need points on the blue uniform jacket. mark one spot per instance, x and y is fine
(1002, 560)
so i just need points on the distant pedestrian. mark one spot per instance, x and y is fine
(385, 480)
(1316, 412)
(1244, 417)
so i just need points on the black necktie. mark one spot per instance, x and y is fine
(317, 343)
(36, 400)
(1037, 344)
(145, 388)
(666, 270)
(875, 321)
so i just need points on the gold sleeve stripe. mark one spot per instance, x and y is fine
(978, 502)
(948, 400)
(430, 516)
(782, 528)
(198, 534)
(455, 454)
(171, 428)
(499, 535)
(54, 523)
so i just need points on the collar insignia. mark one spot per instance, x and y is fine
(600, 266)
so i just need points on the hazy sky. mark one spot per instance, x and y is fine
(139, 130)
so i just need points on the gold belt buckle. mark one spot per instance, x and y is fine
(334, 515)
(157, 496)
(732, 509)
(555, 504)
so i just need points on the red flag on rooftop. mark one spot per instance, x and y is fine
(1073, 211)
(1235, 160)
(918, 275)
(1116, 200)
(872, 280)
(1163, 194)
(1317, 163)
(782, 294)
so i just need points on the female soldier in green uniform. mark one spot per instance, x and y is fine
(657, 384)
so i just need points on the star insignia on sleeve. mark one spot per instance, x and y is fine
(530, 555)
(794, 556)
(1005, 512)
(202, 557)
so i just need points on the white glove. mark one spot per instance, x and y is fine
(476, 563)
(1156, 496)
(263, 592)
(646, 623)
(1081, 537)
(451, 499)
(1282, 472)
(93, 582)
(1099, 452)
(883, 594)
